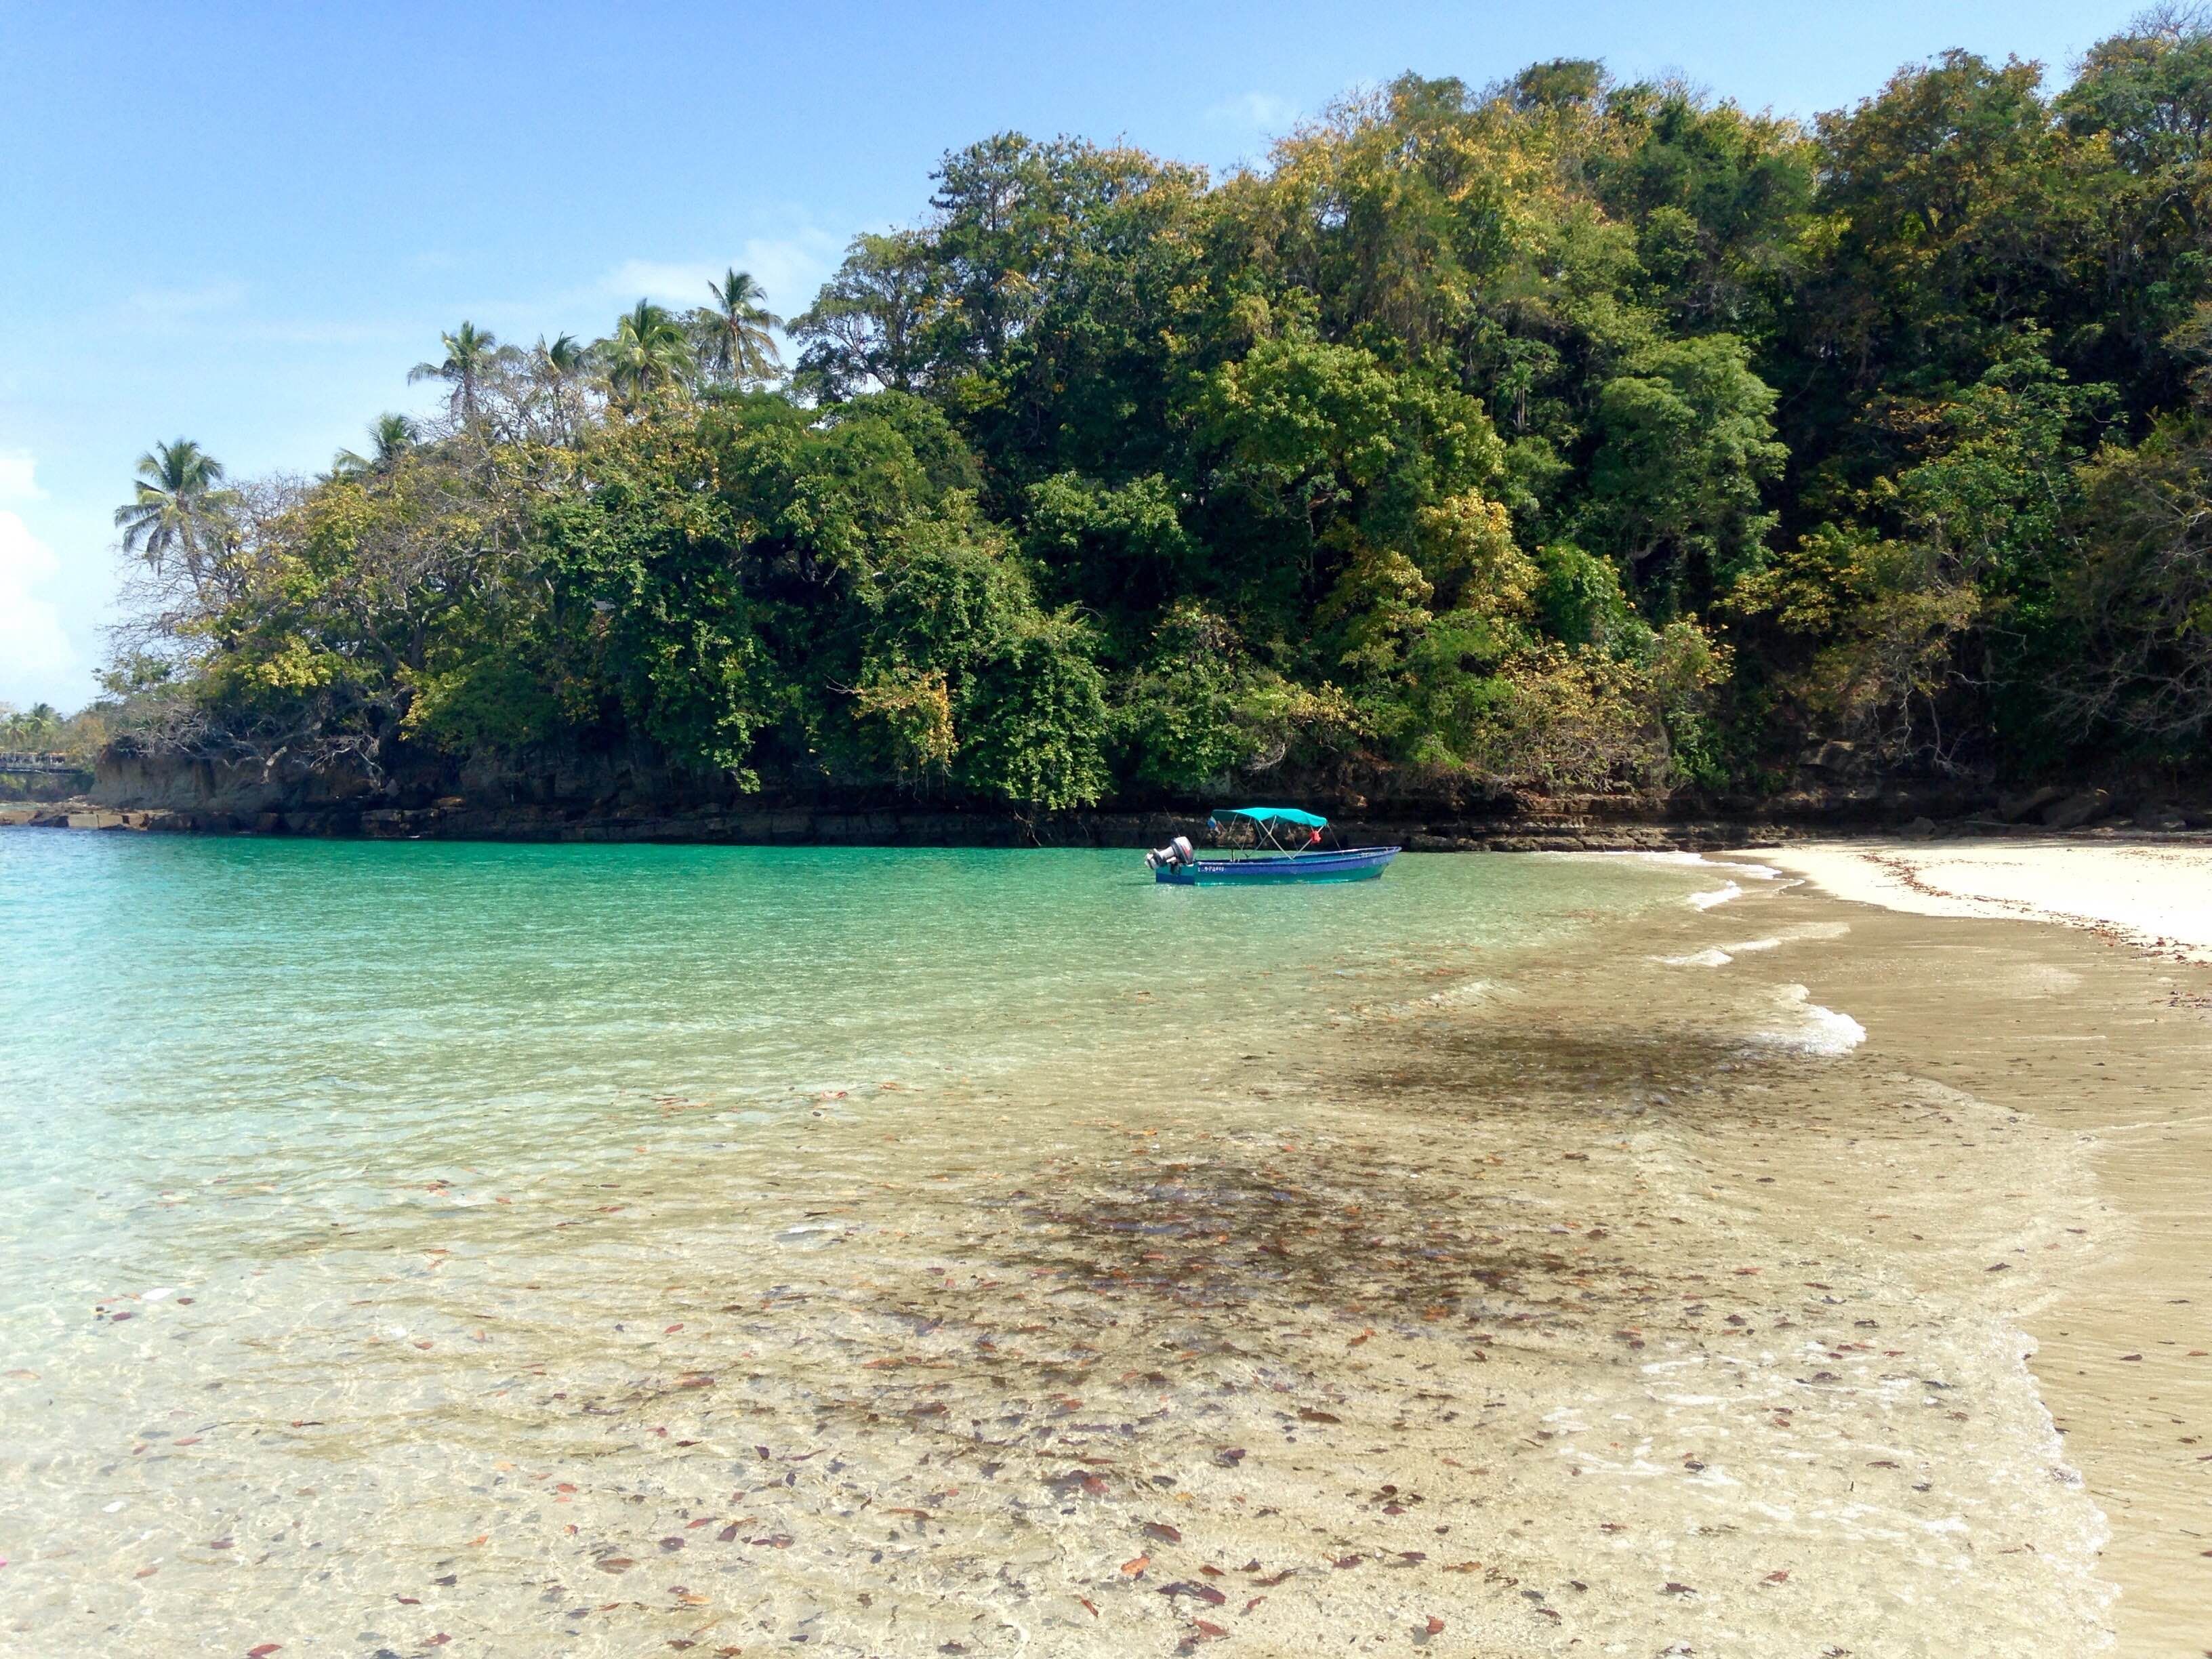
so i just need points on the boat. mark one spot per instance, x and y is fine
(1276, 852)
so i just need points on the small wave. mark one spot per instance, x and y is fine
(1756, 871)
(1717, 896)
(1813, 1029)
(1717, 955)
(1832, 1033)
(1706, 860)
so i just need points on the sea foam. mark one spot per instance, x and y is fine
(1810, 1029)
(1711, 957)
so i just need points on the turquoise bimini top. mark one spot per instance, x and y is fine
(1278, 815)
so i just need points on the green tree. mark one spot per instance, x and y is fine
(735, 343)
(178, 515)
(648, 353)
(390, 436)
(565, 356)
(1931, 612)
(36, 727)
(1686, 447)
(472, 355)
(866, 327)
(2146, 97)
(2148, 92)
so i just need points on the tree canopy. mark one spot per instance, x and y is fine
(1563, 433)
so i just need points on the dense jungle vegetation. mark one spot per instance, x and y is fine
(1561, 433)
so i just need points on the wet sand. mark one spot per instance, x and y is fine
(2098, 1026)
(1707, 1286)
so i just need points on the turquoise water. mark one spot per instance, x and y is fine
(175, 1010)
(357, 1192)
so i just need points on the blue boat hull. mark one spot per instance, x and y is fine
(1353, 863)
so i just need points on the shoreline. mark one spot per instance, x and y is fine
(2096, 1022)
(1845, 839)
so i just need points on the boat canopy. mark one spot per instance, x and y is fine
(1278, 815)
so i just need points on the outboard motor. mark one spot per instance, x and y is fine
(1178, 851)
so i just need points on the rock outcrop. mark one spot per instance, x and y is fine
(625, 797)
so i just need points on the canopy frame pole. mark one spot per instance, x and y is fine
(1264, 823)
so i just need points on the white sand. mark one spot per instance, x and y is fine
(2156, 894)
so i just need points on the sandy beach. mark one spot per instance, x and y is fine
(2097, 1025)
(2155, 894)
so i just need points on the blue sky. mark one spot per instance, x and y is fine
(243, 223)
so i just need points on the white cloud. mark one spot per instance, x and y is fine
(1266, 111)
(18, 481)
(659, 279)
(33, 645)
(790, 269)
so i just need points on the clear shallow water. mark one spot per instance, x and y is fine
(587, 1249)
(174, 1010)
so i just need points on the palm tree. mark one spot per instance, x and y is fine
(566, 356)
(390, 437)
(649, 352)
(558, 367)
(177, 510)
(35, 727)
(734, 341)
(470, 354)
